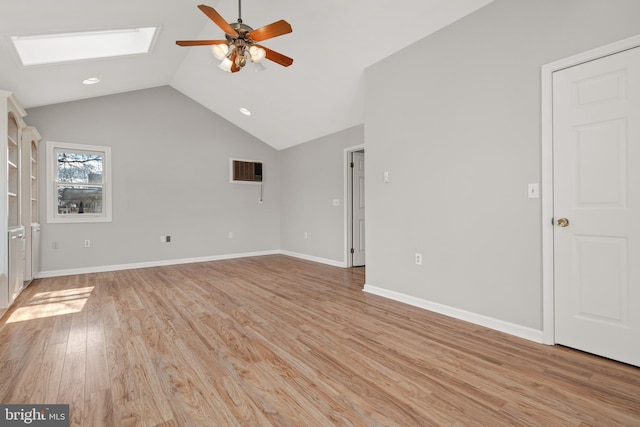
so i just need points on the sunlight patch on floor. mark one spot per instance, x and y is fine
(50, 304)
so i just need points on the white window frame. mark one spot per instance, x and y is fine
(52, 185)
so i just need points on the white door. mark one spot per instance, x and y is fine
(596, 156)
(358, 253)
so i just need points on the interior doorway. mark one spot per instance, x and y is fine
(590, 229)
(355, 243)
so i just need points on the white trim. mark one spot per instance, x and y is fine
(13, 102)
(117, 267)
(334, 263)
(105, 268)
(477, 319)
(348, 261)
(548, 324)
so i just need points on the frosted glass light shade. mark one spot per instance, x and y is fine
(226, 65)
(257, 53)
(220, 51)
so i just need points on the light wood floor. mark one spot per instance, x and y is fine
(284, 342)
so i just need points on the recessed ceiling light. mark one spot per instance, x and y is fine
(245, 111)
(91, 81)
(65, 47)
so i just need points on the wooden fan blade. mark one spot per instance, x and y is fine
(279, 58)
(276, 29)
(219, 20)
(199, 42)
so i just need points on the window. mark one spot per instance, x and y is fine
(79, 183)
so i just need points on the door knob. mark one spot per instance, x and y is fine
(563, 222)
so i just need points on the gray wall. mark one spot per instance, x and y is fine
(456, 120)
(170, 177)
(312, 175)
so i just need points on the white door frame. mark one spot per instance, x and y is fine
(348, 191)
(548, 323)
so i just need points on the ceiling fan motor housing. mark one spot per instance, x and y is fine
(241, 42)
(241, 28)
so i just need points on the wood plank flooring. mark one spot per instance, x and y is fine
(276, 341)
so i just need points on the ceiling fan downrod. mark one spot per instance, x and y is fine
(240, 11)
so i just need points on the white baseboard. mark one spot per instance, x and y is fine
(315, 259)
(478, 319)
(101, 269)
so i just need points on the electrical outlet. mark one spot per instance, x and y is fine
(418, 259)
(306, 235)
(87, 243)
(231, 234)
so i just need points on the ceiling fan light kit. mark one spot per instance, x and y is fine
(241, 44)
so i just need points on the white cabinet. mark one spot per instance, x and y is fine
(30, 200)
(16, 254)
(18, 200)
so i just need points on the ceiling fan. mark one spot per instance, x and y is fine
(241, 44)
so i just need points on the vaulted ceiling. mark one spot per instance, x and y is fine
(332, 43)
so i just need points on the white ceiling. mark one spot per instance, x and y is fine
(333, 41)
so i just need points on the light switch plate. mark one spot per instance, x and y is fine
(534, 191)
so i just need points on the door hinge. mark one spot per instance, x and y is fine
(353, 251)
(353, 165)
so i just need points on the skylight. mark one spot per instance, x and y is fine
(54, 48)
